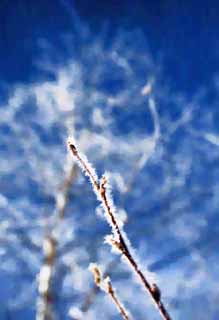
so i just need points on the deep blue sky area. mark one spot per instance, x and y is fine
(186, 32)
(182, 33)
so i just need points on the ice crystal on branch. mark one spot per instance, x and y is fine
(118, 240)
(104, 283)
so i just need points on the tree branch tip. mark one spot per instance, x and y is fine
(71, 145)
(156, 292)
(94, 268)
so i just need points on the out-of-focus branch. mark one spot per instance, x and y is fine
(63, 195)
(45, 304)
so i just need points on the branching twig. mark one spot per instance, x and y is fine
(95, 290)
(117, 240)
(104, 283)
(146, 90)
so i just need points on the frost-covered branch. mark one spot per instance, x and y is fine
(92, 293)
(118, 239)
(104, 283)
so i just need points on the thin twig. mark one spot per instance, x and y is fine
(95, 290)
(117, 240)
(105, 284)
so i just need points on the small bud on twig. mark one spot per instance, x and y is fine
(117, 240)
(104, 283)
(156, 292)
(72, 147)
(96, 272)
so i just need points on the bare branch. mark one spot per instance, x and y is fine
(104, 283)
(118, 239)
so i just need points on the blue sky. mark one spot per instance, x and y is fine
(183, 34)
(80, 68)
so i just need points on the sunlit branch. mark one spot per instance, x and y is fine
(104, 283)
(117, 240)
